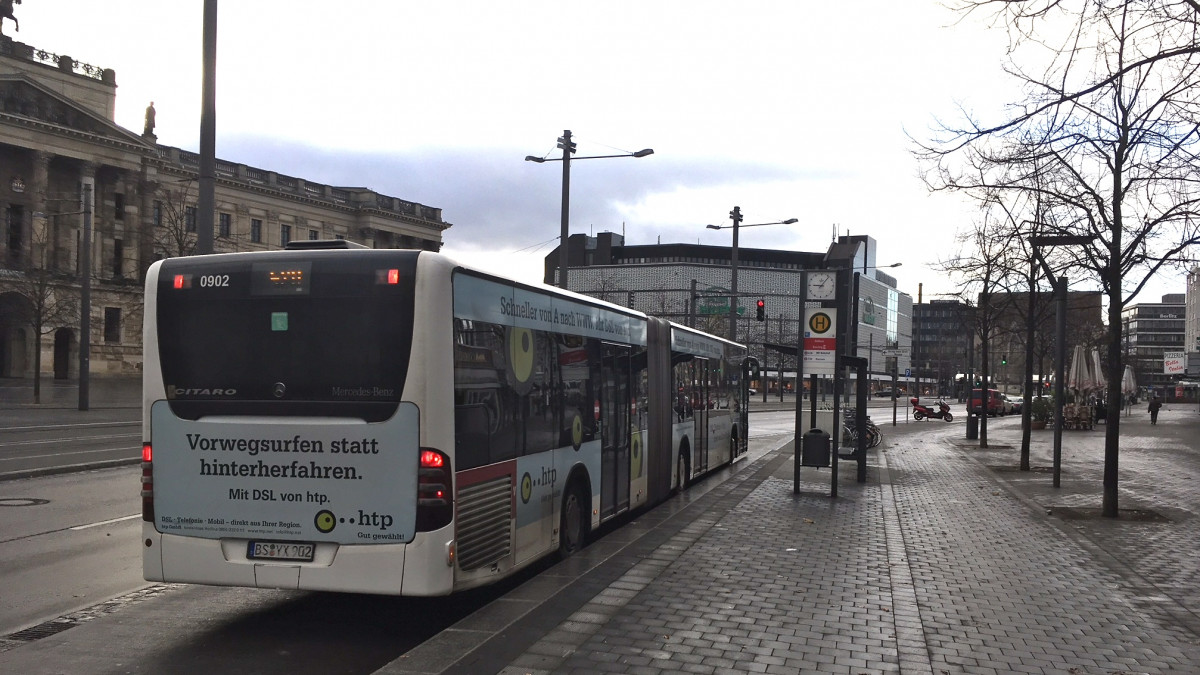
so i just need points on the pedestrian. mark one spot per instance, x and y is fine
(1155, 404)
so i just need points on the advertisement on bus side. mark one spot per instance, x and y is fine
(485, 300)
(299, 480)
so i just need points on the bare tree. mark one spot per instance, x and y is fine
(983, 268)
(175, 219)
(50, 302)
(1108, 130)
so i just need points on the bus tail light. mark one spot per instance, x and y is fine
(390, 277)
(434, 489)
(147, 483)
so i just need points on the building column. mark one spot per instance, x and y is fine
(37, 233)
(148, 188)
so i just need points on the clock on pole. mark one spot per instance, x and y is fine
(821, 286)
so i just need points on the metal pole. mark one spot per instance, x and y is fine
(798, 437)
(564, 221)
(766, 334)
(692, 307)
(781, 320)
(206, 200)
(1060, 357)
(736, 216)
(85, 297)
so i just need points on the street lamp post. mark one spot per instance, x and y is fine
(736, 216)
(568, 147)
(1060, 338)
(85, 296)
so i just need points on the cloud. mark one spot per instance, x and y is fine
(498, 202)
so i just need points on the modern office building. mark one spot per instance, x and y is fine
(58, 135)
(1152, 329)
(942, 334)
(689, 283)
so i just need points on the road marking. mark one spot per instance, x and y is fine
(105, 522)
(81, 425)
(49, 441)
(72, 452)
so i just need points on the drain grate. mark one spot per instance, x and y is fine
(58, 625)
(43, 630)
(1123, 515)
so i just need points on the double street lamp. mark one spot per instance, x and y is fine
(736, 216)
(1039, 242)
(568, 147)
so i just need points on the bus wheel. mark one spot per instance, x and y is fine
(682, 471)
(572, 528)
(733, 447)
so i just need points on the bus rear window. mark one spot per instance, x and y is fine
(285, 327)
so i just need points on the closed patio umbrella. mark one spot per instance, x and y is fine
(1128, 387)
(1079, 378)
(1099, 385)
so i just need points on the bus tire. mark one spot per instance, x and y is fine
(682, 469)
(733, 445)
(572, 524)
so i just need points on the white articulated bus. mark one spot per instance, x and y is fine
(329, 417)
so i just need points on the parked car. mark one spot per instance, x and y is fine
(889, 393)
(995, 403)
(1014, 404)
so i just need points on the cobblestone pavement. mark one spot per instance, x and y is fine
(948, 560)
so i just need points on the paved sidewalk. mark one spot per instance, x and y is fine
(948, 560)
(109, 398)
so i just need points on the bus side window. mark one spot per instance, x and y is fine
(472, 435)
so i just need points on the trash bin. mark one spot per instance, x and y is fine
(972, 427)
(815, 448)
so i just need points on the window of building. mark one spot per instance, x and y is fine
(118, 257)
(15, 224)
(119, 206)
(314, 235)
(157, 211)
(285, 234)
(223, 225)
(112, 324)
(256, 230)
(189, 218)
(339, 236)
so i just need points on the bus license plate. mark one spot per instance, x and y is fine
(280, 550)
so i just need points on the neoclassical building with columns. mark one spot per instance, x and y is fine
(57, 134)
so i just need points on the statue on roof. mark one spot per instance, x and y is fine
(6, 12)
(148, 130)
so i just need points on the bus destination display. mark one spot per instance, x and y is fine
(287, 278)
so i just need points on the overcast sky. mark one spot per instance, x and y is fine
(786, 108)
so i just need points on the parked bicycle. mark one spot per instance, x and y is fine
(850, 434)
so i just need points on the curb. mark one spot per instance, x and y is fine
(69, 468)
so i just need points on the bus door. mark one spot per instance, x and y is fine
(702, 403)
(750, 369)
(615, 425)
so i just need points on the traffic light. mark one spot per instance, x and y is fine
(762, 310)
(1004, 360)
